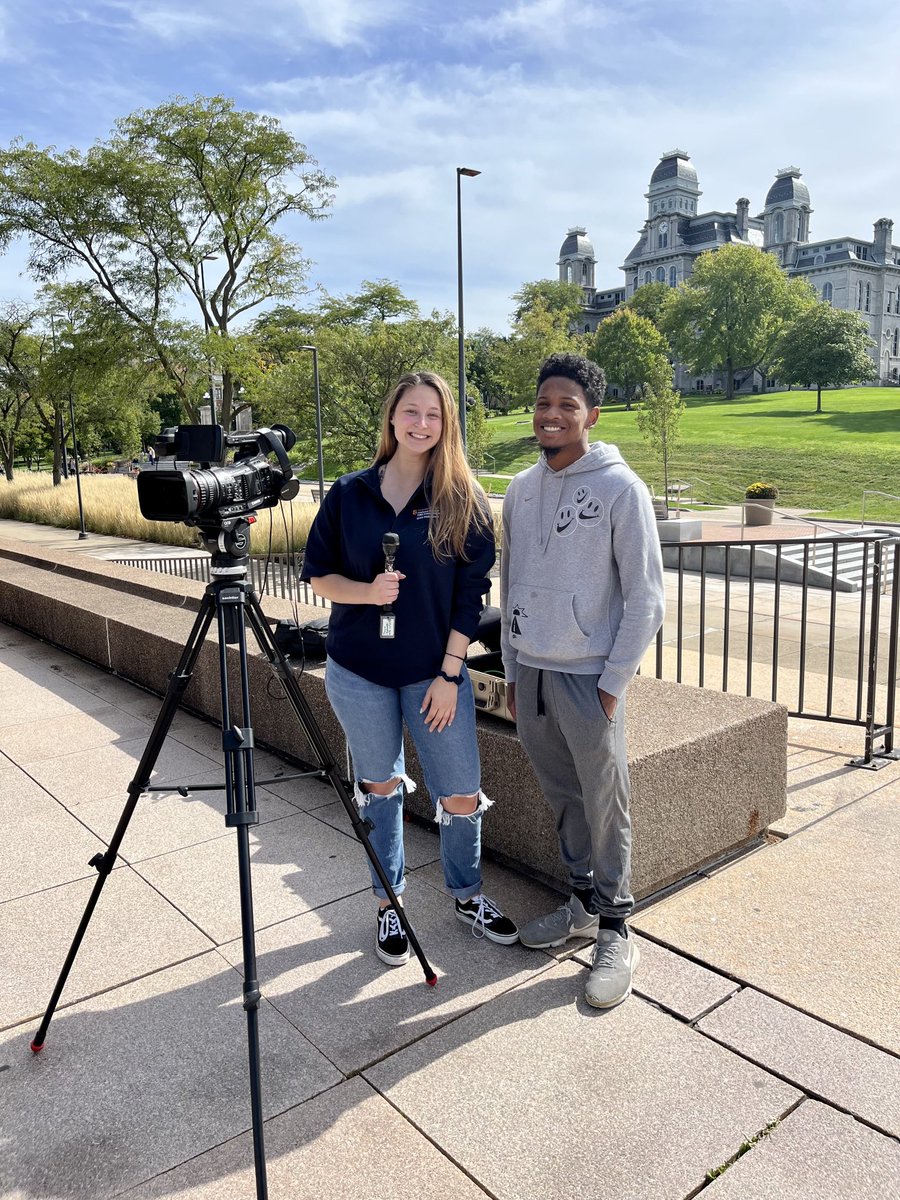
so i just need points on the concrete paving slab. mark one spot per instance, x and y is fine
(167, 821)
(629, 1104)
(308, 795)
(821, 782)
(107, 770)
(420, 843)
(320, 970)
(28, 700)
(827, 940)
(297, 864)
(325, 1150)
(133, 931)
(823, 1061)
(33, 741)
(43, 845)
(814, 1154)
(683, 987)
(92, 678)
(140, 1079)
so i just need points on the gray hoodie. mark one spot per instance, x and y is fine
(581, 583)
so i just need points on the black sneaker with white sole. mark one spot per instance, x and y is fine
(391, 943)
(486, 920)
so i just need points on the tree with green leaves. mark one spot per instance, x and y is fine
(17, 350)
(826, 347)
(363, 348)
(476, 433)
(189, 183)
(484, 367)
(659, 415)
(730, 314)
(650, 301)
(552, 295)
(539, 332)
(629, 348)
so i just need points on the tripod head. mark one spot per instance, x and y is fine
(228, 541)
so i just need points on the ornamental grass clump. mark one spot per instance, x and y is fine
(111, 507)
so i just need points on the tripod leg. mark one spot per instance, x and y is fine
(241, 813)
(326, 759)
(105, 862)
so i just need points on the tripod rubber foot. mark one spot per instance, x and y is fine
(37, 1047)
(431, 980)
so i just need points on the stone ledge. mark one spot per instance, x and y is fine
(708, 770)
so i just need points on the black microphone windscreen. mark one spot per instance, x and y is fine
(390, 542)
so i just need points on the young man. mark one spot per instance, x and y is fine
(582, 598)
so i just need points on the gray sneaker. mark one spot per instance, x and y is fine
(571, 920)
(615, 959)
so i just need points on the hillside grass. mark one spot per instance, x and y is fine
(818, 461)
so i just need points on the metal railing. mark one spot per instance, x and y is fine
(873, 492)
(276, 576)
(827, 655)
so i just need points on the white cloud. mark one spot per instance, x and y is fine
(282, 23)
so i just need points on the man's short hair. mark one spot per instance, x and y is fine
(580, 370)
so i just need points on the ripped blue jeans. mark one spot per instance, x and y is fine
(372, 718)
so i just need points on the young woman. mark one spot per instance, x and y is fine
(420, 488)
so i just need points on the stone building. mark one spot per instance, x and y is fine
(848, 272)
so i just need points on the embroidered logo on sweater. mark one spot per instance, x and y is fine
(585, 509)
(424, 514)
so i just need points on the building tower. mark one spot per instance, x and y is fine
(786, 216)
(576, 261)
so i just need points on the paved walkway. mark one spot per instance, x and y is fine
(765, 1005)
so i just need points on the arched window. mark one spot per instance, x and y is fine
(896, 349)
(859, 293)
(828, 292)
(673, 276)
(648, 278)
(819, 260)
(587, 329)
(779, 227)
(868, 295)
(662, 238)
(660, 274)
(584, 272)
(569, 278)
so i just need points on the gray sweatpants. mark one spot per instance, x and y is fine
(579, 758)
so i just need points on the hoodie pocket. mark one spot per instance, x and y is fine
(542, 623)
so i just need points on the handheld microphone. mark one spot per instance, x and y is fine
(388, 625)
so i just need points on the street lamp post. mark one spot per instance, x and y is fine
(319, 457)
(471, 173)
(207, 324)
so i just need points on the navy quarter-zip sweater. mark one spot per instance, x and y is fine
(435, 597)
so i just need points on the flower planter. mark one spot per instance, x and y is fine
(758, 512)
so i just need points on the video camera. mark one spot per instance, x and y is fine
(213, 492)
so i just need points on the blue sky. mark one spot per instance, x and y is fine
(564, 105)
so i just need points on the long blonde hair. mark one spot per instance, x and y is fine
(457, 499)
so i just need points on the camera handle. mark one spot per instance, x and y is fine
(233, 603)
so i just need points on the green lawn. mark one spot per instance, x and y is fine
(818, 461)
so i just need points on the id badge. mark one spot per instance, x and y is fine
(388, 625)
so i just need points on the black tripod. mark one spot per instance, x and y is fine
(231, 600)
